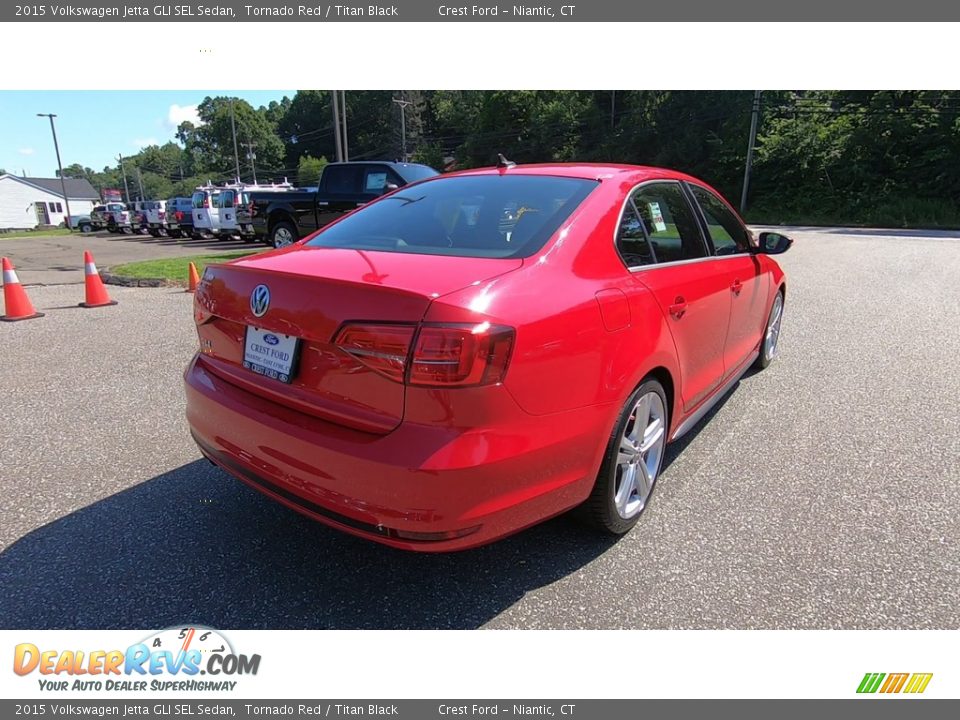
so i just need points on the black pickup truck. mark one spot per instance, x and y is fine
(281, 217)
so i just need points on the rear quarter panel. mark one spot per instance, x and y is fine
(565, 357)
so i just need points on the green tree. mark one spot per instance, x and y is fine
(309, 169)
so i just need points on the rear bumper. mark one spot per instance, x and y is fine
(421, 487)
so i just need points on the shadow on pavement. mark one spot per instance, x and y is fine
(194, 545)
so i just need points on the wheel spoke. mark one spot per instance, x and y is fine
(628, 484)
(643, 480)
(641, 414)
(652, 436)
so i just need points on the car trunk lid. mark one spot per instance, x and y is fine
(313, 293)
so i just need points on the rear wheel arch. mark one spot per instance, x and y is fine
(665, 378)
(280, 215)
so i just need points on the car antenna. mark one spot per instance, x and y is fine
(503, 163)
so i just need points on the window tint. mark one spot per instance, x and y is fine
(470, 216)
(342, 179)
(727, 232)
(226, 199)
(198, 199)
(632, 240)
(669, 222)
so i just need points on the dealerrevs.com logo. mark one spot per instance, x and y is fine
(172, 659)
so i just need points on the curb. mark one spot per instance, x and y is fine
(127, 281)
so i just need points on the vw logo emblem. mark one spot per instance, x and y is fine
(260, 300)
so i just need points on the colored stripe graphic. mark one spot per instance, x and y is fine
(870, 682)
(918, 682)
(894, 682)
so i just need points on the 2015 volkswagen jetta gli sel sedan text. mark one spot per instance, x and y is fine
(477, 352)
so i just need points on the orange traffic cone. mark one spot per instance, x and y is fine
(15, 301)
(96, 293)
(194, 279)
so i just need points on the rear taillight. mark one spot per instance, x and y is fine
(443, 355)
(252, 209)
(383, 348)
(206, 202)
(458, 355)
(179, 215)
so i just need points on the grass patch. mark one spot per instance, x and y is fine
(50, 232)
(175, 269)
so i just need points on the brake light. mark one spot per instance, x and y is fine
(460, 355)
(383, 348)
(252, 209)
(179, 215)
(443, 355)
(206, 201)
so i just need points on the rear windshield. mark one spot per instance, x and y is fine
(198, 199)
(498, 216)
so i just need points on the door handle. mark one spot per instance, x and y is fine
(736, 287)
(679, 307)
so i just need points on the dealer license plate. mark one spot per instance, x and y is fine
(271, 354)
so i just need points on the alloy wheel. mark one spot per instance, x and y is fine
(640, 455)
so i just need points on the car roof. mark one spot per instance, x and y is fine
(585, 171)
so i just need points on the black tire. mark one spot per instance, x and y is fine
(86, 228)
(281, 228)
(600, 509)
(154, 233)
(174, 233)
(765, 358)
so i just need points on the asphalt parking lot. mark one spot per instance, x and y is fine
(59, 259)
(823, 492)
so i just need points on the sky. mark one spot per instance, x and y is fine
(93, 127)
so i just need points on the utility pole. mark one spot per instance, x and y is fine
(750, 145)
(63, 184)
(251, 156)
(140, 183)
(403, 125)
(233, 127)
(334, 106)
(343, 112)
(126, 189)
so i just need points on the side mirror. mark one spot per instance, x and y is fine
(771, 243)
(389, 187)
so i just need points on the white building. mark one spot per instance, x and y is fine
(28, 202)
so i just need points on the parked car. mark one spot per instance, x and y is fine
(206, 211)
(138, 216)
(83, 223)
(119, 218)
(178, 220)
(234, 211)
(285, 217)
(155, 213)
(477, 352)
(99, 216)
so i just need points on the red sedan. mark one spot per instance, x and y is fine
(472, 354)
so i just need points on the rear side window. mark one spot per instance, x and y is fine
(632, 240)
(668, 222)
(342, 179)
(728, 234)
(497, 216)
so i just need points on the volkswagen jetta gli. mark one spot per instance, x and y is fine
(475, 353)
